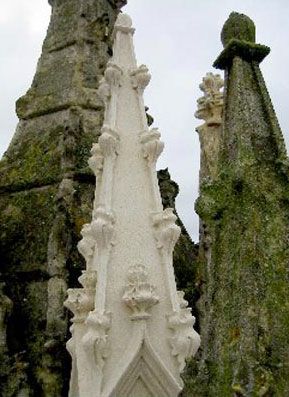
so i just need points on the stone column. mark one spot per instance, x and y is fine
(135, 340)
(245, 327)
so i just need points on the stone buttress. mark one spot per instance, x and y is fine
(132, 329)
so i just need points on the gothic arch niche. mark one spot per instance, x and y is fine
(146, 376)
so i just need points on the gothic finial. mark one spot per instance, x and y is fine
(238, 38)
(239, 27)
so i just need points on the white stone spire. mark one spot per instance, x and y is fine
(132, 330)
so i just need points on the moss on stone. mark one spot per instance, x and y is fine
(238, 26)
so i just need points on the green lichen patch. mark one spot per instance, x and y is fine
(238, 26)
(243, 49)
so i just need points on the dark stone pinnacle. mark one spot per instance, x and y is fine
(238, 26)
(238, 38)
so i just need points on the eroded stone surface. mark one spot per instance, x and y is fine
(47, 191)
(244, 319)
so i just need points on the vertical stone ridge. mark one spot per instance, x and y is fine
(43, 200)
(245, 323)
(128, 243)
(46, 195)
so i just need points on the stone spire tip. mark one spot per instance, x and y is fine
(124, 20)
(239, 27)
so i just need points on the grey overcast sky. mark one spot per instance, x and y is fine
(178, 41)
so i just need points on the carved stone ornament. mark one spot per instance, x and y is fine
(87, 244)
(124, 25)
(152, 145)
(88, 279)
(108, 141)
(80, 301)
(166, 230)
(113, 74)
(186, 340)
(95, 341)
(210, 106)
(140, 78)
(111, 355)
(95, 162)
(103, 227)
(145, 374)
(139, 295)
(104, 91)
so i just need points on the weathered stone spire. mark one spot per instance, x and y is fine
(245, 285)
(47, 190)
(132, 330)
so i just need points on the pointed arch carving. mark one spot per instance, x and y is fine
(148, 369)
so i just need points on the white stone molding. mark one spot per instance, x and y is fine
(140, 78)
(124, 25)
(122, 341)
(86, 245)
(96, 162)
(104, 94)
(185, 341)
(96, 347)
(109, 142)
(81, 300)
(152, 145)
(139, 294)
(88, 280)
(113, 77)
(166, 233)
(143, 372)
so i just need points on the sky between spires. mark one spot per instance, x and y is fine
(178, 41)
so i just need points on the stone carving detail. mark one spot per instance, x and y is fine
(140, 78)
(152, 145)
(112, 356)
(95, 341)
(166, 231)
(87, 244)
(95, 162)
(210, 108)
(104, 93)
(139, 294)
(186, 340)
(81, 300)
(123, 24)
(109, 141)
(112, 74)
(103, 228)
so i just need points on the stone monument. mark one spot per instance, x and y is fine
(243, 310)
(46, 195)
(132, 330)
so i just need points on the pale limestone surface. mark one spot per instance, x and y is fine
(132, 329)
(210, 108)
